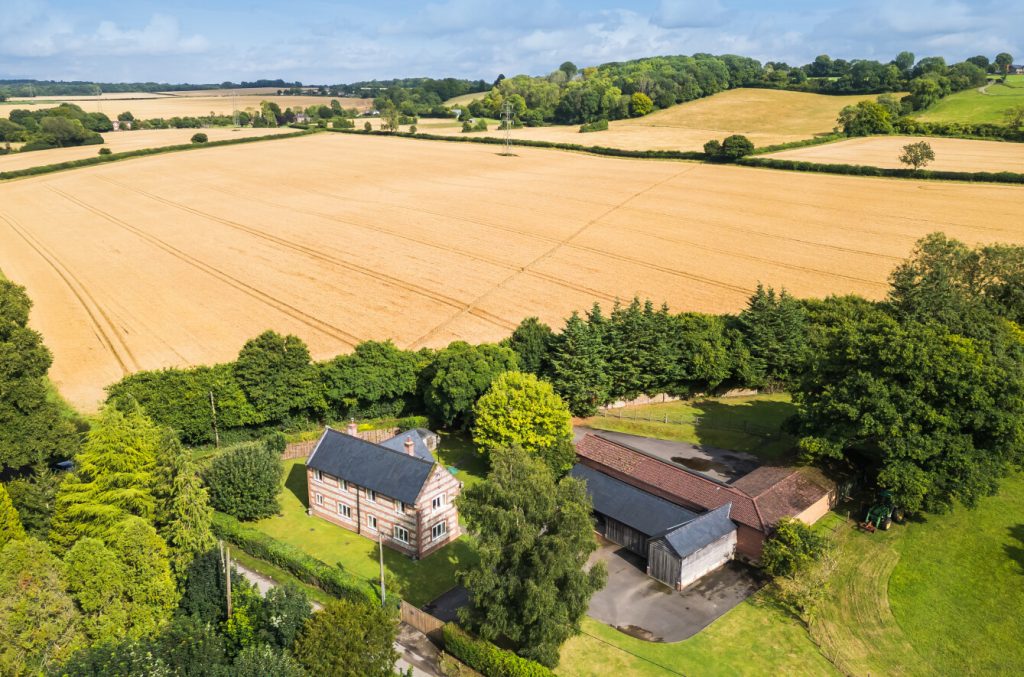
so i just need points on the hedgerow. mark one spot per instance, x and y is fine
(332, 580)
(487, 658)
(865, 170)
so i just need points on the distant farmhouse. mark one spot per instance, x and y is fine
(685, 524)
(393, 491)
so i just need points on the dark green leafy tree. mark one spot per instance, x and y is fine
(376, 379)
(34, 496)
(522, 411)
(459, 375)
(792, 548)
(1003, 61)
(579, 371)
(533, 537)
(127, 658)
(698, 354)
(278, 377)
(32, 428)
(192, 647)
(532, 341)
(933, 416)
(348, 639)
(283, 613)
(630, 346)
(38, 619)
(260, 660)
(775, 330)
(113, 479)
(244, 481)
(865, 118)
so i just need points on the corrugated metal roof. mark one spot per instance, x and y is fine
(700, 532)
(627, 504)
(394, 474)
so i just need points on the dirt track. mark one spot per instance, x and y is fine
(178, 259)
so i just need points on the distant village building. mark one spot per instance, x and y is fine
(394, 491)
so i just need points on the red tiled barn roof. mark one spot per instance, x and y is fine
(784, 492)
(670, 482)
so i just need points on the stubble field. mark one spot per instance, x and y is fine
(765, 116)
(120, 142)
(183, 106)
(178, 259)
(957, 155)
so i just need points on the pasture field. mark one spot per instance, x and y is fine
(957, 155)
(765, 116)
(179, 259)
(182, 106)
(975, 106)
(119, 142)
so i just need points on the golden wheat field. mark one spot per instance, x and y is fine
(178, 259)
(765, 116)
(182, 106)
(119, 142)
(963, 155)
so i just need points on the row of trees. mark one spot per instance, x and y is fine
(63, 125)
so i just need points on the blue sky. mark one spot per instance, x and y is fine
(321, 41)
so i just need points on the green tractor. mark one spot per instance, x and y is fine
(881, 514)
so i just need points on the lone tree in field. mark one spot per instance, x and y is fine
(200, 137)
(1004, 60)
(1014, 117)
(917, 154)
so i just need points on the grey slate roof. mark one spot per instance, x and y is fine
(633, 507)
(394, 474)
(701, 532)
(419, 442)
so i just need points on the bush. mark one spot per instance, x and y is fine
(596, 126)
(487, 658)
(332, 580)
(792, 548)
(105, 151)
(244, 481)
(367, 127)
(200, 137)
(730, 150)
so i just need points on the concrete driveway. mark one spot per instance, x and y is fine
(722, 465)
(638, 605)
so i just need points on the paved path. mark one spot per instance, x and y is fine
(413, 647)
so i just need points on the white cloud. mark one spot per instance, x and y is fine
(690, 14)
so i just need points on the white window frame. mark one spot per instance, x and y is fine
(343, 484)
(400, 507)
(371, 495)
(436, 535)
(318, 475)
(371, 523)
(438, 503)
(344, 511)
(401, 534)
(319, 499)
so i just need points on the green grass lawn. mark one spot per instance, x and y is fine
(749, 424)
(749, 640)
(421, 581)
(940, 596)
(972, 106)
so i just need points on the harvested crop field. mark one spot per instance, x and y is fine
(957, 155)
(119, 142)
(765, 116)
(178, 259)
(183, 106)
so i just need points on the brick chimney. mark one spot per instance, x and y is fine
(352, 429)
(410, 446)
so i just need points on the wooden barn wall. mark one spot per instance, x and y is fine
(617, 532)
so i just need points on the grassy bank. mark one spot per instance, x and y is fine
(972, 106)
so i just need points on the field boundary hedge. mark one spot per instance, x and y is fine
(867, 170)
(534, 143)
(488, 659)
(802, 143)
(142, 152)
(331, 579)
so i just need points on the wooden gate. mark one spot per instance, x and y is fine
(422, 621)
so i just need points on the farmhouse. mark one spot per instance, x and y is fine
(393, 491)
(683, 523)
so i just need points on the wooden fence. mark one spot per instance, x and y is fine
(304, 449)
(422, 621)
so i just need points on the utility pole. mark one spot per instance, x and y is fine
(506, 119)
(213, 409)
(380, 546)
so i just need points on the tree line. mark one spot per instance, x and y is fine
(13, 89)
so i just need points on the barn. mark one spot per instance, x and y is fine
(685, 524)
